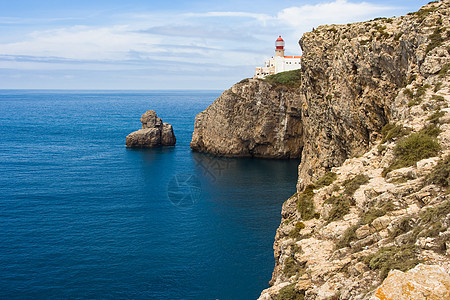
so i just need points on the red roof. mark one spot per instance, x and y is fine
(279, 39)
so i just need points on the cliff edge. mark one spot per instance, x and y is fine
(255, 118)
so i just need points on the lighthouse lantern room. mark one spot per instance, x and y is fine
(279, 47)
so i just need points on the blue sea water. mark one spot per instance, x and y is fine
(81, 216)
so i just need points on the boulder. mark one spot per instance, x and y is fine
(422, 282)
(154, 133)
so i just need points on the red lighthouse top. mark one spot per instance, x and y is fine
(279, 44)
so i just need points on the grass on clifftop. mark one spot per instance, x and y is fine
(290, 78)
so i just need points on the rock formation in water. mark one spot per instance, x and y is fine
(371, 122)
(154, 133)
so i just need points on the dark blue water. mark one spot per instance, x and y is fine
(81, 216)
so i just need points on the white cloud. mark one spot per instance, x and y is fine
(337, 12)
(304, 18)
(81, 42)
(263, 18)
(213, 40)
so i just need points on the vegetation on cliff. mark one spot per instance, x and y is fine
(289, 78)
(373, 194)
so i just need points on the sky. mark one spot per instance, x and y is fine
(165, 44)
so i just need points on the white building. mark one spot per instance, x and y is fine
(279, 63)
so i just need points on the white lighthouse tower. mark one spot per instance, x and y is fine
(279, 63)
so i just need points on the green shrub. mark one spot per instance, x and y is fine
(291, 267)
(423, 13)
(431, 130)
(408, 93)
(351, 185)
(428, 225)
(392, 131)
(434, 118)
(417, 97)
(371, 215)
(433, 213)
(348, 236)
(295, 233)
(381, 148)
(415, 101)
(401, 258)
(341, 207)
(438, 98)
(398, 36)
(445, 68)
(366, 218)
(441, 173)
(435, 39)
(325, 180)
(437, 87)
(341, 204)
(289, 78)
(305, 205)
(402, 227)
(411, 149)
(290, 293)
(244, 80)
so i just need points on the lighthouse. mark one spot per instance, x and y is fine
(279, 63)
(279, 47)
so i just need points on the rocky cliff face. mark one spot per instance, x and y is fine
(254, 118)
(352, 75)
(373, 193)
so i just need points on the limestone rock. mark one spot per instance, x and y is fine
(422, 282)
(254, 118)
(154, 133)
(355, 79)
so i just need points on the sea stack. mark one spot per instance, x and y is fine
(154, 133)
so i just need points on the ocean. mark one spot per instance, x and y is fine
(82, 216)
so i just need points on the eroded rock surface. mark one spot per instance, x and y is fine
(154, 133)
(422, 282)
(362, 209)
(254, 118)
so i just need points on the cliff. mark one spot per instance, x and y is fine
(254, 118)
(373, 192)
(369, 115)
